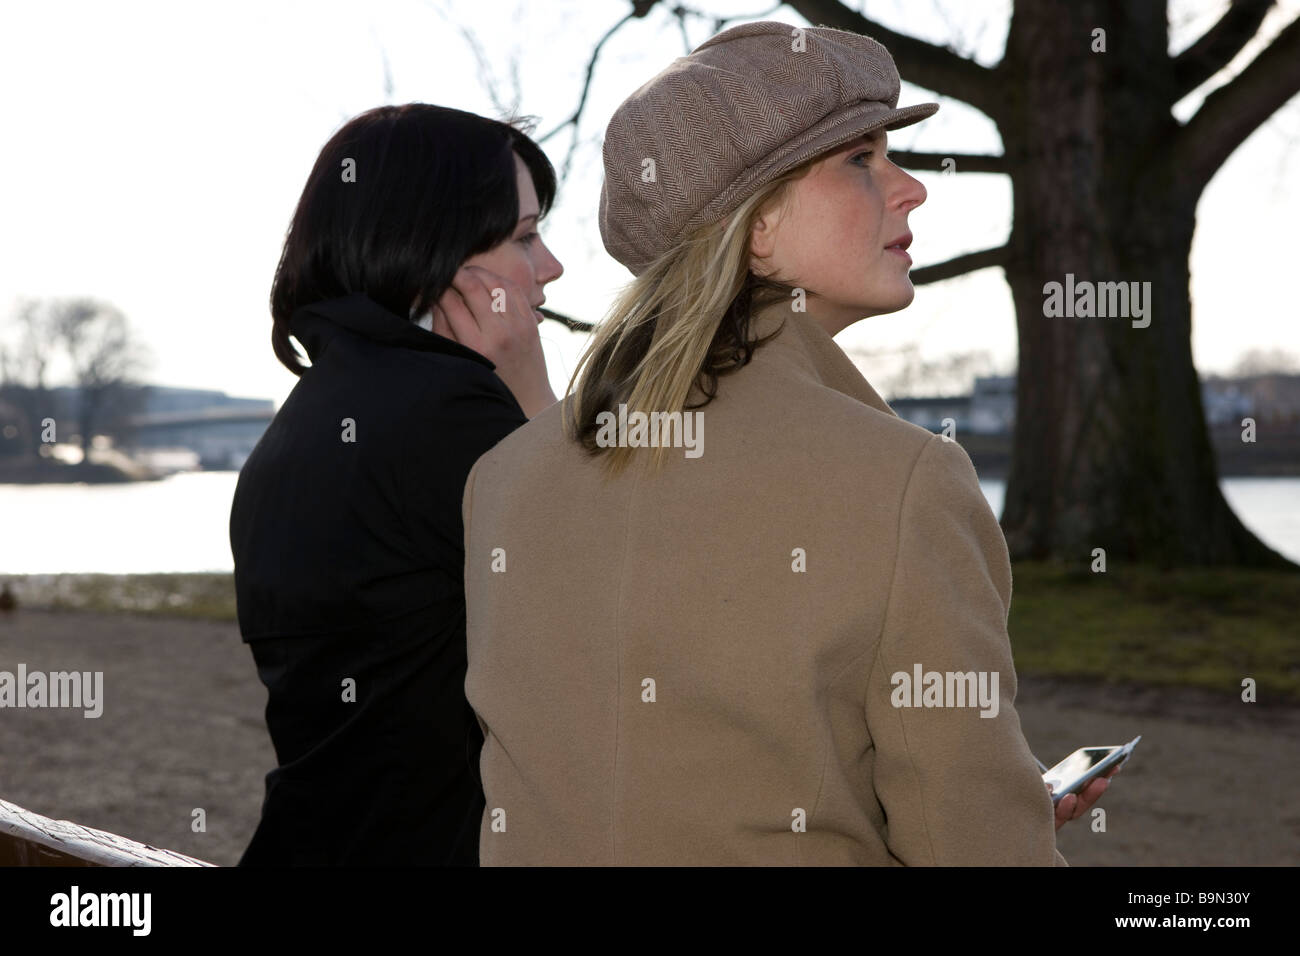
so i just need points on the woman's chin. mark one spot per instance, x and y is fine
(897, 300)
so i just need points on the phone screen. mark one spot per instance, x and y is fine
(1069, 771)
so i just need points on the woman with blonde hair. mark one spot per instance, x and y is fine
(780, 638)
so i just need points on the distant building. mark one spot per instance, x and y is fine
(1272, 398)
(993, 405)
(989, 410)
(931, 412)
(163, 398)
(220, 429)
(12, 421)
(1226, 402)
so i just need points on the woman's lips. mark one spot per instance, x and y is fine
(900, 245)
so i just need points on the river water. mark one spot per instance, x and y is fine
(180, 524)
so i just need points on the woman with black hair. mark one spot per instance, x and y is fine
(411, 274)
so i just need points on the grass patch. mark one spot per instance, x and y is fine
(1198, 627)
(209, 596)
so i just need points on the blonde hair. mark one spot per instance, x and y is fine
(681, 323)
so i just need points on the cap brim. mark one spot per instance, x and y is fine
(846, 125)
(834, 130)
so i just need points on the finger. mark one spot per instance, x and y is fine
(1071, 806)
(477, 287)
(441, 325)
(1080, 807)
(1093, 791)
(460, 316)
(516, 303)
(475, 284)
(1062, 817)
(488, 279)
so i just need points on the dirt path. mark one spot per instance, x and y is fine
(182, 728)
(1215, 785)
(1214, 781)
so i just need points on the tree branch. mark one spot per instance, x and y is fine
(1216, 49)
(918, 62)
(639, 9)
(1232, 112)
(970, 262)
(573, 325)
(934, 162)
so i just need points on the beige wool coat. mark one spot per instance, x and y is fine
(706, 666)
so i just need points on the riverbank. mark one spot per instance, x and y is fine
(35, 470)
(200, 596)
(1275, 453)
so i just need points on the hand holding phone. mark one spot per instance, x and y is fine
(1086, 763)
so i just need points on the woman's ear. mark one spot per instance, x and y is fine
(762, 240)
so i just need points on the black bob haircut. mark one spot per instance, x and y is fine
(431, 186)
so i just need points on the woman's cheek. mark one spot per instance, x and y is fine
(521, 266)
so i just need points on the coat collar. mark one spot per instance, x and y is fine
(809, 350)
(316, 325)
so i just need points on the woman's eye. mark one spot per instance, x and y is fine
(528, 238)
(857, 156)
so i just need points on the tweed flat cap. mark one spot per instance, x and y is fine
(746, 105)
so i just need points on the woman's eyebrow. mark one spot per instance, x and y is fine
(524, 219)
(873, 140)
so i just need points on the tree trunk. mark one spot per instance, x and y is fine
(87, 415)
(1111, 449)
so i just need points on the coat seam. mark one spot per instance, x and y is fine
(618, 666)
(828, 738)
(880, 642)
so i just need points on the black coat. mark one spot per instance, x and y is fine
(349, 567)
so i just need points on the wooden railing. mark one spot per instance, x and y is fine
(29, 839)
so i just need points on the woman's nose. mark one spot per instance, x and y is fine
(911, 190)
(550, 267)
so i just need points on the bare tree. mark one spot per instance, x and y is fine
(952, 374)
(1267, 362)
(104, 357)
(26, 355)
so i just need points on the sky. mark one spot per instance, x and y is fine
(153, 153)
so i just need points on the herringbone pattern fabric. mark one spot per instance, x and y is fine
(754, 101)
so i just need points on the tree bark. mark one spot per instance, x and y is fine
(1111, 449)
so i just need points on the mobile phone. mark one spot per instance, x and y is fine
(1086, 763)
